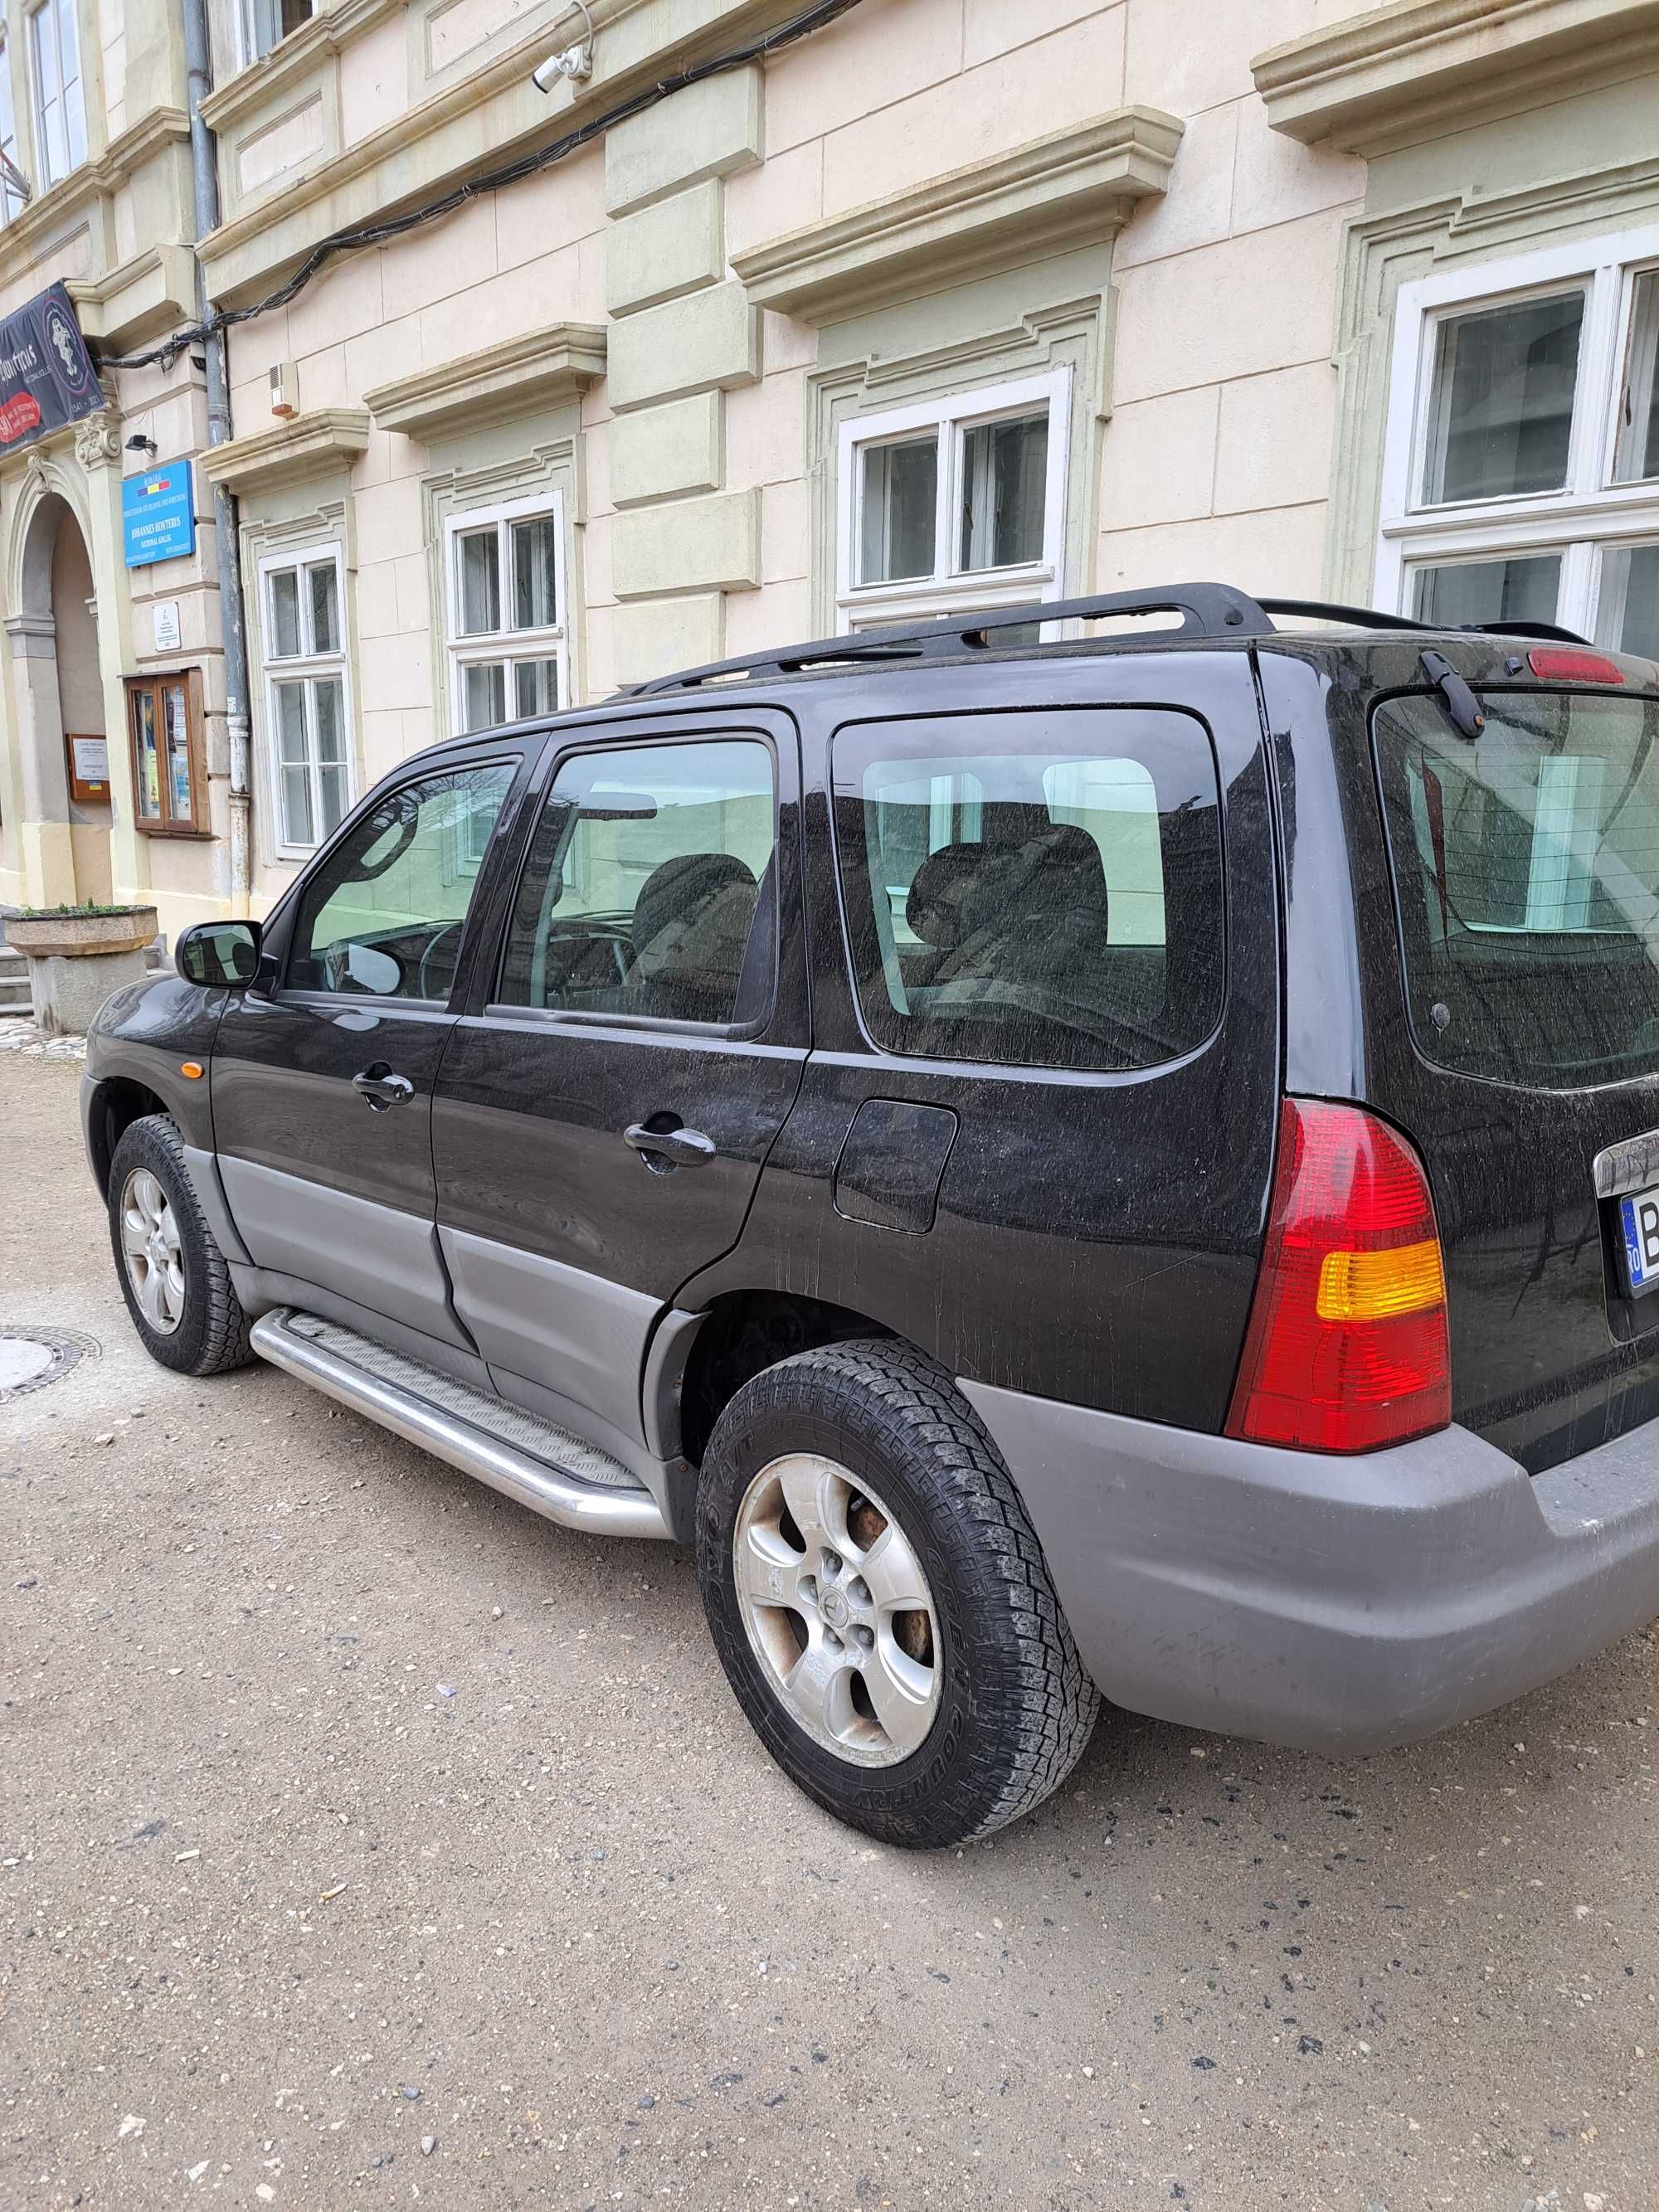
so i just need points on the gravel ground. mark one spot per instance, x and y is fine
(367, 1840)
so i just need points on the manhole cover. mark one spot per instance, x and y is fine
(32, 1357)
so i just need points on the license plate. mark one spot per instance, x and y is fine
(1638, 1228)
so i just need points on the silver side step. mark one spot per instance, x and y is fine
(472, 1432)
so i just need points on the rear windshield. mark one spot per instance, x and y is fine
(1035, 890)
(1527, 866)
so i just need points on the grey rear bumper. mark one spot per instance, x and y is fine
(1337, 1605)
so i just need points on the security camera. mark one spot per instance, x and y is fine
(575, 62)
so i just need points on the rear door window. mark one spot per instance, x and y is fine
(1036, 889)
(1527, 869)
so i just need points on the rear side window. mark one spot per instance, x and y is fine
(1035, 890)
(1528, 868)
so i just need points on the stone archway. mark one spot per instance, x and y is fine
(59, 690)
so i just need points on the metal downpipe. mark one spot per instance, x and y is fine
(203, 161)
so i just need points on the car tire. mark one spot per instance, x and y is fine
(964, 1709)
(172, 1275)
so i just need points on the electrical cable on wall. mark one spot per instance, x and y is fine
(495, 180)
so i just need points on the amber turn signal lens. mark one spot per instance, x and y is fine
(193, 1068)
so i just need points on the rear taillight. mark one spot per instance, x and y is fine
(1346, 1349)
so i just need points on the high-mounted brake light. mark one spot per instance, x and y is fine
(1347, 1347)
(1571, 664)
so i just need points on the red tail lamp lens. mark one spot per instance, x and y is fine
(1347, 1347)
(1570, 664)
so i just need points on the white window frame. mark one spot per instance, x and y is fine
(1590, 515)
(948, 589)
(47, 21)
(249, 50)
(298, 667)
(551, 641)
(10, 205)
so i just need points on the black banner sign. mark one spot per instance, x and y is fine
(46, 377)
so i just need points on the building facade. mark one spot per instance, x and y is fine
(93, 117)
(947, 304)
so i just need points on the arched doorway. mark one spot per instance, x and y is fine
(60, 698)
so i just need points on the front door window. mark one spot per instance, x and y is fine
(382, 917)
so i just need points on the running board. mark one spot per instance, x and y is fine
(455, 1423)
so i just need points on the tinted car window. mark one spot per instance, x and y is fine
(382, 916)
(1043, 889)
(649, 889)
(1528, 868)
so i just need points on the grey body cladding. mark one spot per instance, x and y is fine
(561, 1343)
(377, 1256)
(1337, 1605)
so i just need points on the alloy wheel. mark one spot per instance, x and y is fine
(837, 1610)
(149, 1244)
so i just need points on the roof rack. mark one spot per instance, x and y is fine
(1206, 611)
(1374, 618)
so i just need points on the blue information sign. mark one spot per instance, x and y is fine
(158, 513)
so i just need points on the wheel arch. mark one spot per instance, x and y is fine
(737, 1335)
(114, 1104)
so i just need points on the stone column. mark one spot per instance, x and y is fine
(47, 857)
(97, 449)
(683, 334)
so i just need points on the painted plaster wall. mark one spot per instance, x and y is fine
(1215, 458)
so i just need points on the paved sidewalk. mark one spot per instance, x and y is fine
(345, 1808)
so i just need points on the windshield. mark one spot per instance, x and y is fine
(1527, 867)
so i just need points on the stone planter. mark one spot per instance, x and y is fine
(76, 959)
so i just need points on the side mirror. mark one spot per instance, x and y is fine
(223, 955)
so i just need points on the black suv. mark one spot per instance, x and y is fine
(1122, 1166)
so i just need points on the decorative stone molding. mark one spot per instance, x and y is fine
(33, 637)
(321, 443)
(1071, 187)
(1396, 76)
(292, 59)
(84, 196)
(543, 368)
(437, 138)
(153, 292)
(98, 442)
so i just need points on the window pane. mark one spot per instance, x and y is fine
(323, 590)
(1636, 453)
(1501, 415)
(534, 545)
(384, 913)
(1054, 900)
(1005, 478)
(285, 587)
(483, 694)
(901, 494)
(328, 699)
(297, 829)
(1627, 617)
(290, 721)
(331, 784)
(74, 112)
(480, 557)
(180, 799)
(1466, 593)
(643, 891)
(10, 204)
(1527, 867)
(535, 688)
(144, 742)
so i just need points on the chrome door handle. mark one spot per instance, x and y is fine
(379, 1088)
(662, 1149)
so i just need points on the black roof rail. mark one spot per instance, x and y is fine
(1207, 610)
(1374, 618)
